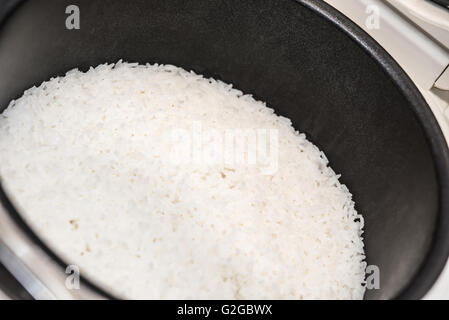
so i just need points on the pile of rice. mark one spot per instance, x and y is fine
(86, 159)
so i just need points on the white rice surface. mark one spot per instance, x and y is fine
(85, 157)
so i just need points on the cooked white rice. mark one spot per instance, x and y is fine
(88, 160)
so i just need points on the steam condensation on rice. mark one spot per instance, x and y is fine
(86, 158)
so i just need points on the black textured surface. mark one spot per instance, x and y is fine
(350, 98)
(443, 3)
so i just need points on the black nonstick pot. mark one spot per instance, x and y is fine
(308, 62)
